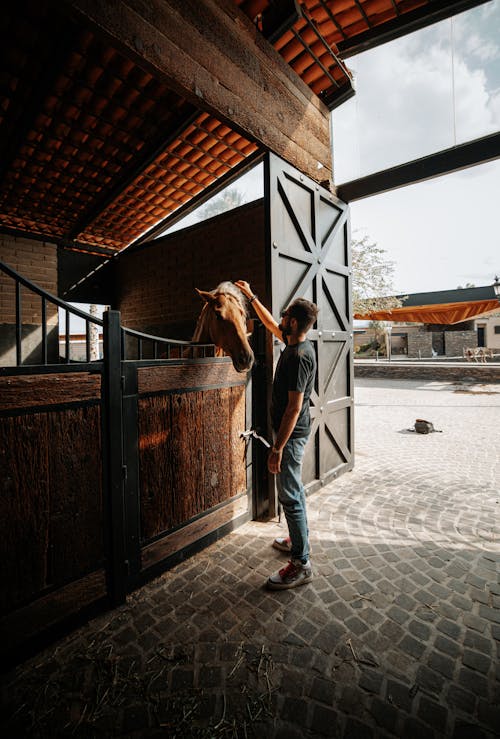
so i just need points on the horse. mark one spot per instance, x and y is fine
(487, 352)
(478, 354)
(223, 322)
(470, 353)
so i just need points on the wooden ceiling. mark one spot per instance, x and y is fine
(95, 150)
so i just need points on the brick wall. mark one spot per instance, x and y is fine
(456, 341)
(156, 283)
(36, 261)
(420, 344)
(450, 372)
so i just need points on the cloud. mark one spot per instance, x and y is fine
(475, 115)
(494, 106)
(485, 50)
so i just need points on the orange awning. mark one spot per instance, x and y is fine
(440, 313)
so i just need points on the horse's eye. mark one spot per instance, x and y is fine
(218, 316)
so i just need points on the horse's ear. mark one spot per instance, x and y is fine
(204, 295)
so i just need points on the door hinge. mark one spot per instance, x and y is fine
(123, 383)
(124, 472)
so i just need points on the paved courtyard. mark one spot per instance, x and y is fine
(398, 635)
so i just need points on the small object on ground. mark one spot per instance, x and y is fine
(425, 427)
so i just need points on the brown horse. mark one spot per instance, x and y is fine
(223, 322)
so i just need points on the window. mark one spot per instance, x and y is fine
(497, 329)
(421, 93)
(247, 188)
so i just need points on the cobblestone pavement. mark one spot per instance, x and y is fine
(397, 636)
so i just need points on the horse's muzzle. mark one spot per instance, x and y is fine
(243, 361)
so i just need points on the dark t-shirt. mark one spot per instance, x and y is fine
(296, 370)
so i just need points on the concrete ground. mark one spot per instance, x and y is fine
(398, 635)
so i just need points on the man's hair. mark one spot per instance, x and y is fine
(304, 312)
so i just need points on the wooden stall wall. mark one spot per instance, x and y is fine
(192, 465)
(184, 481)
(51, 509)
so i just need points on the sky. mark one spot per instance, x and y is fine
(421, 93)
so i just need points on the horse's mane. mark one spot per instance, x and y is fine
(229, 288)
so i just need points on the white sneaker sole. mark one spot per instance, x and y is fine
(288, 585)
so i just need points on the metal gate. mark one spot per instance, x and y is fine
(178, 474)
(309, 256)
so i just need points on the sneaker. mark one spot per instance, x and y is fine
(294, 574)
(283, 543)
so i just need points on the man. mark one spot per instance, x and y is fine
(292, 387)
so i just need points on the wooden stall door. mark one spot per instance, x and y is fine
(309, 257)
(185, 458)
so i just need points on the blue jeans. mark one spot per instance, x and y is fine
(291, 495)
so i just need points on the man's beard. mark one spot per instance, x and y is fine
(285, 331)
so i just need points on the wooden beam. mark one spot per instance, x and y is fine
(443, 162)
(210, 53)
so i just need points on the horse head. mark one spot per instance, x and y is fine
(223, 322)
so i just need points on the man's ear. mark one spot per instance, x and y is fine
(206, 296)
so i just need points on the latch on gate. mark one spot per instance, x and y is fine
(251, 432)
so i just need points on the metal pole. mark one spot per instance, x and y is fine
(19, 325)
(113, 444)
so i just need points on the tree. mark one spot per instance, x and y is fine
(225, 200)
(372, 276)
(94, 334)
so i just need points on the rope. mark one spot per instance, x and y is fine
(251, 432)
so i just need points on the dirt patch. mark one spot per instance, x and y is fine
(476, 389)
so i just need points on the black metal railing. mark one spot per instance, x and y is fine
(148, 346)
(47, 298)
(134, 344)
